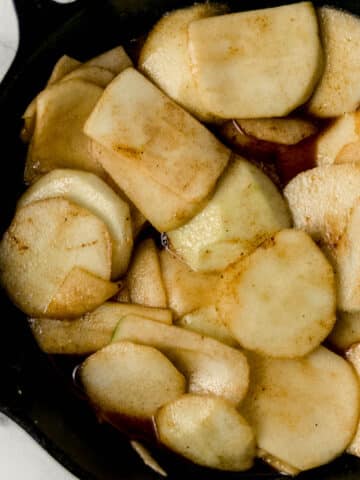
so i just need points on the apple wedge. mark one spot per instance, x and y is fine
(353, 356)
(131, 381)
(338, 91)
(44, 242)
(92, 331)
(243, 61)
(165, 58)
(90, 192)
(164, 143)
(208, 431)
(280, 301)
(321, 200)
(346, 331)
(284, 131)
(58, 140)
(206, 321)
(174, 342)
(304, 411)
(225, 230)
(186, 290)
(144, 278)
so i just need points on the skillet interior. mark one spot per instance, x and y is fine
(32, 391)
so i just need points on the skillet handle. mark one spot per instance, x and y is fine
(38, 18)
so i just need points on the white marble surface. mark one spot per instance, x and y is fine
(21, 458)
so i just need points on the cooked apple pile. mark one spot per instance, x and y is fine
(190, 232)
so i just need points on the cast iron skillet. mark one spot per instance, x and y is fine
(32, 391)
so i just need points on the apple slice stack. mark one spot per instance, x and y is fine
(212, 344)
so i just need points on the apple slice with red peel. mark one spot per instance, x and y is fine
(208, 431)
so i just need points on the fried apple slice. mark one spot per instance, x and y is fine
(186, 290)
(144, 278)
(280, 301)
(279, 465)
(58, 140)
(353, 356)
(92, 193)
(285, 131)
(63, 66)
(129, 380)
(44, 242)
(304, 411)
(207, 321)
(321, 200)
(243, 61)
(346, 331)
(165, 58)
(225, 230)
(80, 292)
(208, 431)
(338, 91)
(114, 60)
(330, 144)
(211, 358)
(164, 143)
(156, 203)
(92, 331)
(346, 259)
(96, 75)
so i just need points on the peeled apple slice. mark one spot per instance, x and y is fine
(353, 356)
(144, 279)
(130, 380)
(176, 341)
(89, 191)
(58, 140)
(208, 431)
(338, 91)
(304, 411)
(261, 63)
(225, 229)
(165, 57)
(44, 242)
(186, 290)
(92, 331)
(163, 143)
(346, 331)
(280, 301)
(321, 200)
